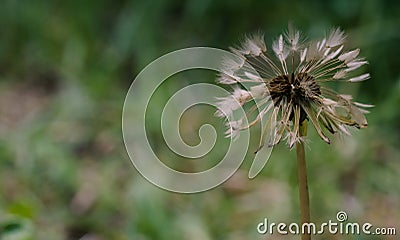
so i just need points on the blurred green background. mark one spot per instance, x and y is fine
(65, 67)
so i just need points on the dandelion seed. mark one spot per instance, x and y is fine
(360, 78)
(349, 56)
(336, 38)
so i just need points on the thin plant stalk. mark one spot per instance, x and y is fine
(302, 179)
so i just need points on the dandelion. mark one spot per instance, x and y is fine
(289, 82)
(289, 85)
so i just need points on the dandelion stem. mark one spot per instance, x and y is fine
(302, 178)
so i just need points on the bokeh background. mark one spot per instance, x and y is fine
(65, 67)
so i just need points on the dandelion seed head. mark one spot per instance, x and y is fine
(290, 86)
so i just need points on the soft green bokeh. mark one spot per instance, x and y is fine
(65, 67)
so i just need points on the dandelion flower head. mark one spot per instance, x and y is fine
(289, 81)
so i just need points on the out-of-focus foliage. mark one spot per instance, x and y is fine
(65, 67)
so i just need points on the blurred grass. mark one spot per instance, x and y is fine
(65, 67)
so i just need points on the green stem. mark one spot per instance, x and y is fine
(302, 178)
